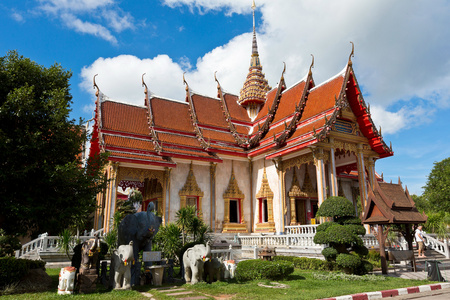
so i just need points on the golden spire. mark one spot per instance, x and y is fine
(253, 93)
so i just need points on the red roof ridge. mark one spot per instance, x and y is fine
(198, 132)
(241, 141)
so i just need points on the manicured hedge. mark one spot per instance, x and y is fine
(261, 269)
(12, 269)
(306, 263)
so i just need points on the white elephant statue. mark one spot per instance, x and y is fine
(193, 262)
(66, 280)
(122, 260)
(230, 269)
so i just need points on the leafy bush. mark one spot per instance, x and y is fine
(336, 207)
(348, 261)
(364, 268)
(261, 269)
(12, 269)
(330, 253)
(168, 240)
(8, 244)
(374, 255)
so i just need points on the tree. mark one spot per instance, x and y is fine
(43, 186)
(184, 219)
(342, 235)
(437, 187)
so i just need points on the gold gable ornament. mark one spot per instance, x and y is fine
(233, 193)
(190, 188)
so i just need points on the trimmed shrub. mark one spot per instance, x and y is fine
(325, 226)
(348, 261)
(260, 269)
(330, 253)
(306, 263)
(11, 270)
(340, 234)
(364, 268)
(336, 207)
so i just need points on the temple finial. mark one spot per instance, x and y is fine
(144, 84)
(312, 65)
(253, 7)
(351, 55)
(95, 85)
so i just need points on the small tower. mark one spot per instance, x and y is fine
(253, 93)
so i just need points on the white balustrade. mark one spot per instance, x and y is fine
(45, 243)
(226, 254)
(439, 246)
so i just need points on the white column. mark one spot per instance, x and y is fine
(361, 175)
(333, 175)
(320, 174)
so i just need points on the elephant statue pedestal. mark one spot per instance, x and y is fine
(87, 283)
(157, 274)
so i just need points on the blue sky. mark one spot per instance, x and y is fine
(402, 56)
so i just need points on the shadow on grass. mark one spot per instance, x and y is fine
(295, 277)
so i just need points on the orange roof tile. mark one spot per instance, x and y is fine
(171, 114)
(123, 117)
(236, 111)
(209, 111)
(127, 142)
(289, 99)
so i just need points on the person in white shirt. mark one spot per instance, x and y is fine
(420, 241)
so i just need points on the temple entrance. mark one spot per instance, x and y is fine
(234, 211)
(300, 210)
(314, 208)
(264, 212)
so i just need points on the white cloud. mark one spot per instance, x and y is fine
(120, 77)
(74, 14)
(18, 17)
(87, 27)
(398, 54)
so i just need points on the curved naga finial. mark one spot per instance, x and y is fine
(312, 65)
(185, 82)
(95, 85)
(144, 84)
(284, 70)
(215, 77)
(351, 54)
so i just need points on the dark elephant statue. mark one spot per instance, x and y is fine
(89, 256)
(139, 228)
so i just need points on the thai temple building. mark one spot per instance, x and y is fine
(251, 162)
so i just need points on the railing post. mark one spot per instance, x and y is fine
(446, 249)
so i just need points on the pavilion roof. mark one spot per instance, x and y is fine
(389, 203)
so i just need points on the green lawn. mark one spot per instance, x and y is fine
(301, 286)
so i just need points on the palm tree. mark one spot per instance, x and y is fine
(65, 242)
(184, 219)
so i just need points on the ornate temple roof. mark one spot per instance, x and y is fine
(286, 120)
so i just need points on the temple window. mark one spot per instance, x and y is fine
(265, 205)
(233, 219)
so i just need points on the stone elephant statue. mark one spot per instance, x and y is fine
(121, 262)
(89, 256)
(230, 269)
(139, 228)
(66, 280)
(213, 268)
(193, 262)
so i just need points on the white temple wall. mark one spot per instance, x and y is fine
(178, 177)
